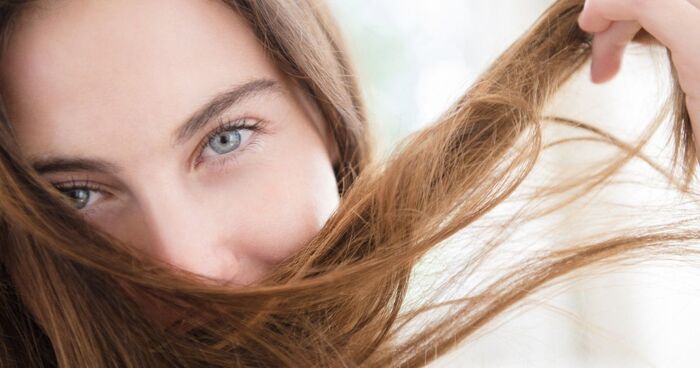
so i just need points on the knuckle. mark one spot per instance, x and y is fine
(641, 6)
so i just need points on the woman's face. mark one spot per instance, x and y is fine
(124, 101)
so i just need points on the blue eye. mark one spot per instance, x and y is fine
(225, 142)
(81, 197)
(229, 137)
(80, 194)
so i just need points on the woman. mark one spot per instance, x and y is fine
(218, 203)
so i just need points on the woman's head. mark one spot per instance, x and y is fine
(338, 301)
(172, 128)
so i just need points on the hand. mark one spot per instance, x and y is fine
(674, 23)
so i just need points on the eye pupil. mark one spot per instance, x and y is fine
(80, 197)
(225, 142)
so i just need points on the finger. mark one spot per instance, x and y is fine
(591, 20)
(608, 49)
(673, 22)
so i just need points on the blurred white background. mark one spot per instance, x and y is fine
(415, 58)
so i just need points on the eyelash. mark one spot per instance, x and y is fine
(74, 184)
(223, 126)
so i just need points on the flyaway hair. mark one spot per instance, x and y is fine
(70, 296)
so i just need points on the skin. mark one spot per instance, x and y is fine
(673, 23)
(114, 80)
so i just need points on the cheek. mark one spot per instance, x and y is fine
(294, 195)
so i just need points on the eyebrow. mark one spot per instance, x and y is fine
(216, 106)
(58, 164)
(219, 104)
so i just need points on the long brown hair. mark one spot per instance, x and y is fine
(66, 289)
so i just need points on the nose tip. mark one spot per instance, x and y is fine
(199, 258)
(187, 239)
(211, 259)
(187, 233)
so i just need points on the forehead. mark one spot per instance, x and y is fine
(77, 63)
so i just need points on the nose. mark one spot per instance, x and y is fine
(185, 234)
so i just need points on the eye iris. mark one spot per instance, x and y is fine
(225, 142)
(80, 197)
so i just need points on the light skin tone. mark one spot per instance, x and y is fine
(117, 82)
(114, 82)
(673, 23)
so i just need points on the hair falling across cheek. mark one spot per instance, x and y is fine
(159, 313)
(108, 332)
